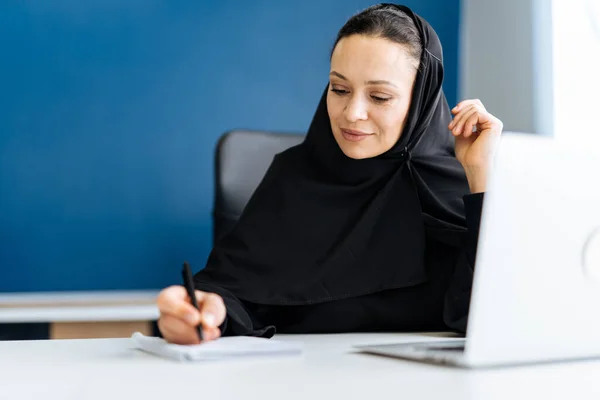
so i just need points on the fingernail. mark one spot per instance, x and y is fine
(209, 319)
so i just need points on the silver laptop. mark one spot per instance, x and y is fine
(536, 288)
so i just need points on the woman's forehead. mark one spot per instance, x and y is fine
(371, 58)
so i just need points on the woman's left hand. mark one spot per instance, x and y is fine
(475, 148)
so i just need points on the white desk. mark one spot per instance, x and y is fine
(74, 315)
(101, 369)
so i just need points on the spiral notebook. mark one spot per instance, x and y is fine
(222, 348)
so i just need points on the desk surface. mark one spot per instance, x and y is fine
(329, 369)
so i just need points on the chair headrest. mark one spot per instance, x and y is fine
(241, 161)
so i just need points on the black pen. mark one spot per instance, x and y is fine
(188, 282)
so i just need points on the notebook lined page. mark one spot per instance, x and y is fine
(225, 347)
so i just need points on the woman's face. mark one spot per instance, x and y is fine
(370, 89)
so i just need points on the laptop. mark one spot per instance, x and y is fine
(536, 287)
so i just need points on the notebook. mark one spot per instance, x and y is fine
(222, 348)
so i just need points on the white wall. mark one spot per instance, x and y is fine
(576, 75)
(506, 61)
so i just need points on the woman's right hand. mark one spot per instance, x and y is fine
(179, 318)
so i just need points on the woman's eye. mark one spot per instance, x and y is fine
(380, 99)
(342, 92)
(339, 91)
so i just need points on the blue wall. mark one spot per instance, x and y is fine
(109, 112)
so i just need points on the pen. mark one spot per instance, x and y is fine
(188, 282)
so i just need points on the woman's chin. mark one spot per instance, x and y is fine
(357, 151)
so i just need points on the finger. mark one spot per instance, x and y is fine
(470, 122)
(212, 310)
(459, 120)
(460, 126)
(175, 301)
(462, 105)
(175, 330)
(456, 119)
(211, 334)
(462, 114)
(469, 102)
(465, 103)
(178, 331)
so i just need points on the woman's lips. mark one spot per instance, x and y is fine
(354, 136)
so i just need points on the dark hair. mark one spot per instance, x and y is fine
(388, 22)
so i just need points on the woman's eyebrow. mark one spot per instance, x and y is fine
(376, 82)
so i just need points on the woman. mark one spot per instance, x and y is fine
(371, 223)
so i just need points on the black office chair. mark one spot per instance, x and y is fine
(241, 159)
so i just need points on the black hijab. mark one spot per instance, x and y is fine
(322, 226)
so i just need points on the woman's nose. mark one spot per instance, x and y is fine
(356, 110)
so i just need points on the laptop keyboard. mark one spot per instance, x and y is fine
(457, 347)
(446, 348)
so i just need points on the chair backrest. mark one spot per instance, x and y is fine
(242, 158)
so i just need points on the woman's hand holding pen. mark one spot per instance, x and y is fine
(179, 318)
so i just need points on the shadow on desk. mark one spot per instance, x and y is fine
(38, 331)
(29, 331)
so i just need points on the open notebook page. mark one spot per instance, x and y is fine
(225, 347)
